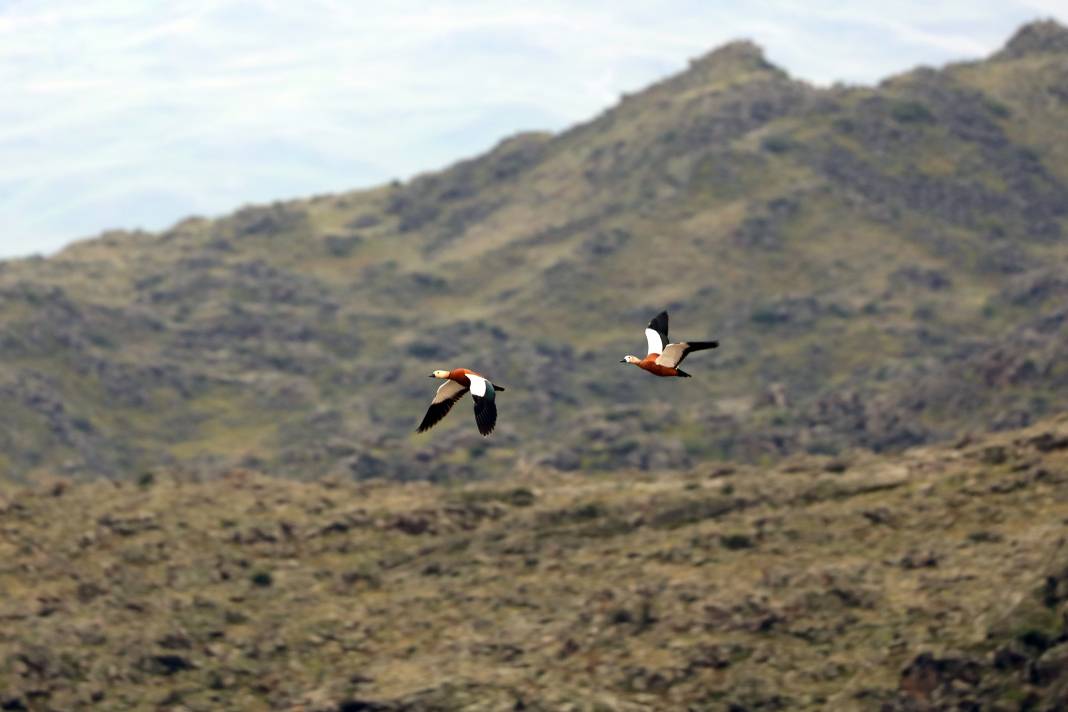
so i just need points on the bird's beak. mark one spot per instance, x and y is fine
(622, 360)
(431, 375)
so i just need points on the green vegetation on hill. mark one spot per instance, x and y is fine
(884, 266)
(932, 580)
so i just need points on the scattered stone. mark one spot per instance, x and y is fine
(735, 542)
(412, 524)
(880, 516)
(129, 526)
(1011, 656)
(355, 705)
(1051, 666)
(994, 455)
(927, 674)
(919, 560)
(1048, 442)
(167, 664)
(263, 579)
(836, 467)
(88, 591)
(985, 537)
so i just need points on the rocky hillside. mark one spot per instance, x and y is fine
(933, 580)
(884, 266)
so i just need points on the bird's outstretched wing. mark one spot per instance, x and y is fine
(673, 354)
(448, 393)
(483, 393)
(657, 333)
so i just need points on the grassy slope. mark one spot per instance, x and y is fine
(892, 257)
(818, 584)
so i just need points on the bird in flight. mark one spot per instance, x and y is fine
(664, 358)
(457, 382)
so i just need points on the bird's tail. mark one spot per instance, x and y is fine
(497, 388)
(682, 374)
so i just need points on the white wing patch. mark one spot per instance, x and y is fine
(478, 385)
(656, 345)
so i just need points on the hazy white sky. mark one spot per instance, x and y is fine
(133, 113)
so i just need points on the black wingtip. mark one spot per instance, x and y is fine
(682, 374)
(485, 414)
(497, 388)
(437, 411)
(659, 324)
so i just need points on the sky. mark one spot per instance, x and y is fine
(135, 114)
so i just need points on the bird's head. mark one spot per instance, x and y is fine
(439, 374)
(630, 359)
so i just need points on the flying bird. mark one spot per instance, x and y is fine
(457, 382)
(664, 360)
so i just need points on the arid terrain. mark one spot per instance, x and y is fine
(211, 497)
(884, 266)
(937, 579)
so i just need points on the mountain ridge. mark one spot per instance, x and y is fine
(883, 266)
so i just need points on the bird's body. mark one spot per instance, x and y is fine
(649, 364)
(459, 381)
(663, 358)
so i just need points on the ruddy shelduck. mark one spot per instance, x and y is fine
(664, 360)
(457, 382)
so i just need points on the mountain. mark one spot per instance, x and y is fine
(932, 580)
(884, 266)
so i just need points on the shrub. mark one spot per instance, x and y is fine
(911, 112)
(777, 144)
(263, 579)
(736, 541)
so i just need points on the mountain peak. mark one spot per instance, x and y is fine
(1039, 37)
(737, 56)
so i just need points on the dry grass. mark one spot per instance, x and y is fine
(809, 586)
